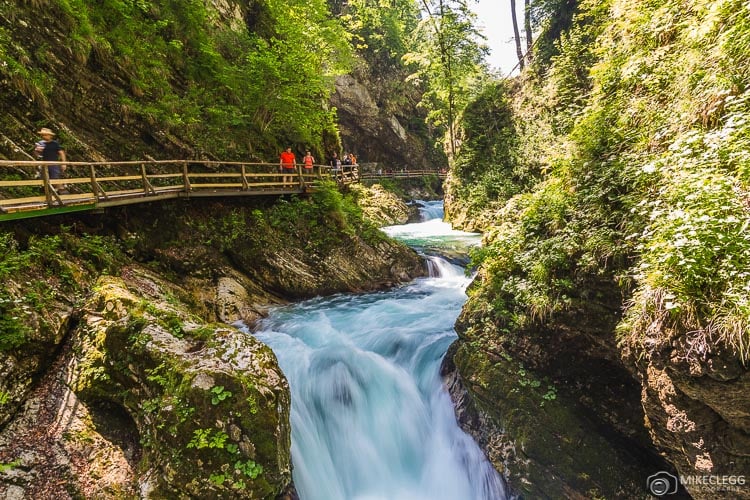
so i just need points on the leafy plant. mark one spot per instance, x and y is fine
(208, 438)
(219, 394)
(249, 468)
(4, 467)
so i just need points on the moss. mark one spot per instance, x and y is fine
(556, 449)
(211, 412)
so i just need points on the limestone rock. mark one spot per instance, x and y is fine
(551, 403)
(209, 402)
(380, 206)
(697, 409)
(388, 141)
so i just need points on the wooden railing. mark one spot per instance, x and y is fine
(26, 189)
(403, 174)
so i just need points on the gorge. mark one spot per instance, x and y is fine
(602, 344)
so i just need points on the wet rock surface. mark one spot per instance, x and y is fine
(552, 404)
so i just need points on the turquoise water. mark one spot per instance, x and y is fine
(371, 419)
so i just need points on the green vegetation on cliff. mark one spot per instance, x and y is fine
(227, 78)
(614, 201)
(640, 126)
(122, 79)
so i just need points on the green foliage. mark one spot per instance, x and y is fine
(642, 126)
(33, 83)
(207, 76)
(4, 467)
(13, 329)
(382, 28)
(487, 165)
(551, 20)
(218, 394)
(249, 468)
(446, 57)
(43, 272)
(529, 258)
(208, 438)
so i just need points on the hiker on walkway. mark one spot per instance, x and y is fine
(48, 149)
(287, 165)
(335, 166)
(308, 161)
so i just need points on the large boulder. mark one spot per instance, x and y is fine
(209, 402)
(380, 206)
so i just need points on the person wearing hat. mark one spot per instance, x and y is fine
(48, 149)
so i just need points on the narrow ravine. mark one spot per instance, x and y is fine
(370, 416)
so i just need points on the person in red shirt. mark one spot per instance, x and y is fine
(287, 165)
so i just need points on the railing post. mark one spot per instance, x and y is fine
(147, 187)
(185, 177)
(94, 184)
(298, 168)
(47, 187)
(245, 185)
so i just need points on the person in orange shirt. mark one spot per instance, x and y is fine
(287, 165)
(308, 161)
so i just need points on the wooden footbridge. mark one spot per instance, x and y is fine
(27, 191)
(401, 174)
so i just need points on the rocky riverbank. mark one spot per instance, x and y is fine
(129, 378)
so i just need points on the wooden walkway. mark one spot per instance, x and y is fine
(406, 174)
(27, 191)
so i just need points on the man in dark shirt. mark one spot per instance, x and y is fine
(50, 150)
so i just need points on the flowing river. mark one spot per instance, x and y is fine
(371, 419)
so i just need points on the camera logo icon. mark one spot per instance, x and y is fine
(662, 483)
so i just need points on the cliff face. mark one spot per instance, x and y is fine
(551, 403)
(696, 400)
(129, 379)
(196, 81)
(377, 135)
(54, 81)
(563, 410)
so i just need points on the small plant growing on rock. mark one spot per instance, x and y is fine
(249, 468)
(203, 438)
(219, 394)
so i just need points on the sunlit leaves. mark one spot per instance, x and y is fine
(447, 56)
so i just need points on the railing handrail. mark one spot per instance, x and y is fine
(99, 184)
(13, 163)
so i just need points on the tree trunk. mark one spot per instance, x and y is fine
(516, 35)
(527, 25)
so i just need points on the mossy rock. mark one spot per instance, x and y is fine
(209, 402)
(537, 434)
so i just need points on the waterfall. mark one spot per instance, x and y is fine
(371, 419)
(431, 210)
(438, 267)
